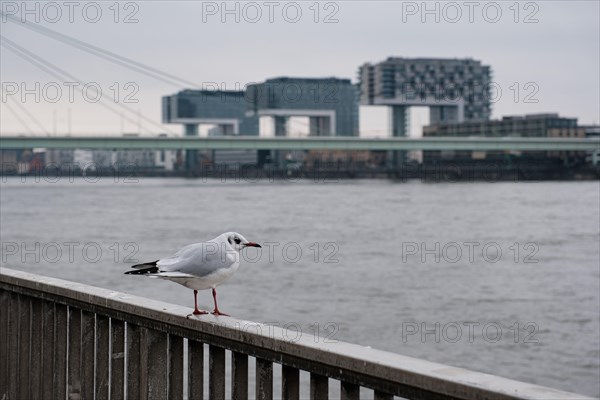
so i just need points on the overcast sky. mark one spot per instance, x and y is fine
(544, 54)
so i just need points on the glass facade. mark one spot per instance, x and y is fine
(432, 82)
(328, 102)
(189, 105)
(319, 98)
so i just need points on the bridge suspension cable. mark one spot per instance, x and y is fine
(64, 76)
(31, 116)
(21, 121)
(118, 59)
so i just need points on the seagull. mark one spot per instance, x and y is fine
(200, 266)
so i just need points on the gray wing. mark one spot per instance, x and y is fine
(198, 259)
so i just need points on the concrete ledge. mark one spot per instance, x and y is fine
(384, 371)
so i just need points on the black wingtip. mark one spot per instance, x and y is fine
(142, 269)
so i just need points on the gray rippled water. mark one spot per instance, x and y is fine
(496, 277)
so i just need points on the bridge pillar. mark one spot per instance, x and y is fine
(319, 126)
(190, 129)
(226, 129)
(280, 123)
(400, 118)
(400, 126)
(443, 114)
(191, 156)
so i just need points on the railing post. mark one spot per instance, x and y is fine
(102, 356)
(175, 368)
(24, 346)
(4, 318)
(88, 326)
(117, 360)
(59, 380)
(195, 370)
(319, 387)
(48, 345)
(239, 376)
(36, 343)
(216, 373)
(290, 383)
(349, 391)
(134, 365)
(74, 362)
(13, 346)
(157, 363)
(264, 379)
(382, 396)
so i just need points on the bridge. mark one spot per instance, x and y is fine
(308, 143)
(63, 339)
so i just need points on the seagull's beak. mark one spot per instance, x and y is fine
(252, 244)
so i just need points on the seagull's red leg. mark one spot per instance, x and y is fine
(216, 310)
(196, 311)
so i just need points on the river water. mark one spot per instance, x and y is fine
(495, 277)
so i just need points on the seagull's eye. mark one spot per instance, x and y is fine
(237, 240)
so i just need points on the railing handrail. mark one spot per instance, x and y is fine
(369, 367)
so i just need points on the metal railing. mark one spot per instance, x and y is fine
(65, 340)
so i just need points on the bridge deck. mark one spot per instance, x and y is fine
(310, 143)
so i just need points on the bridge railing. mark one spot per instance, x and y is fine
(250, 142)
(65, 340)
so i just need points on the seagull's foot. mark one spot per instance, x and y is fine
(217, 313)
(197, 312)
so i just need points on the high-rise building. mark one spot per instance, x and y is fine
(223, 108)
(455, 90)
(330, 104)
(329, 107)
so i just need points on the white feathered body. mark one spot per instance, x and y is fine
(200, 266)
